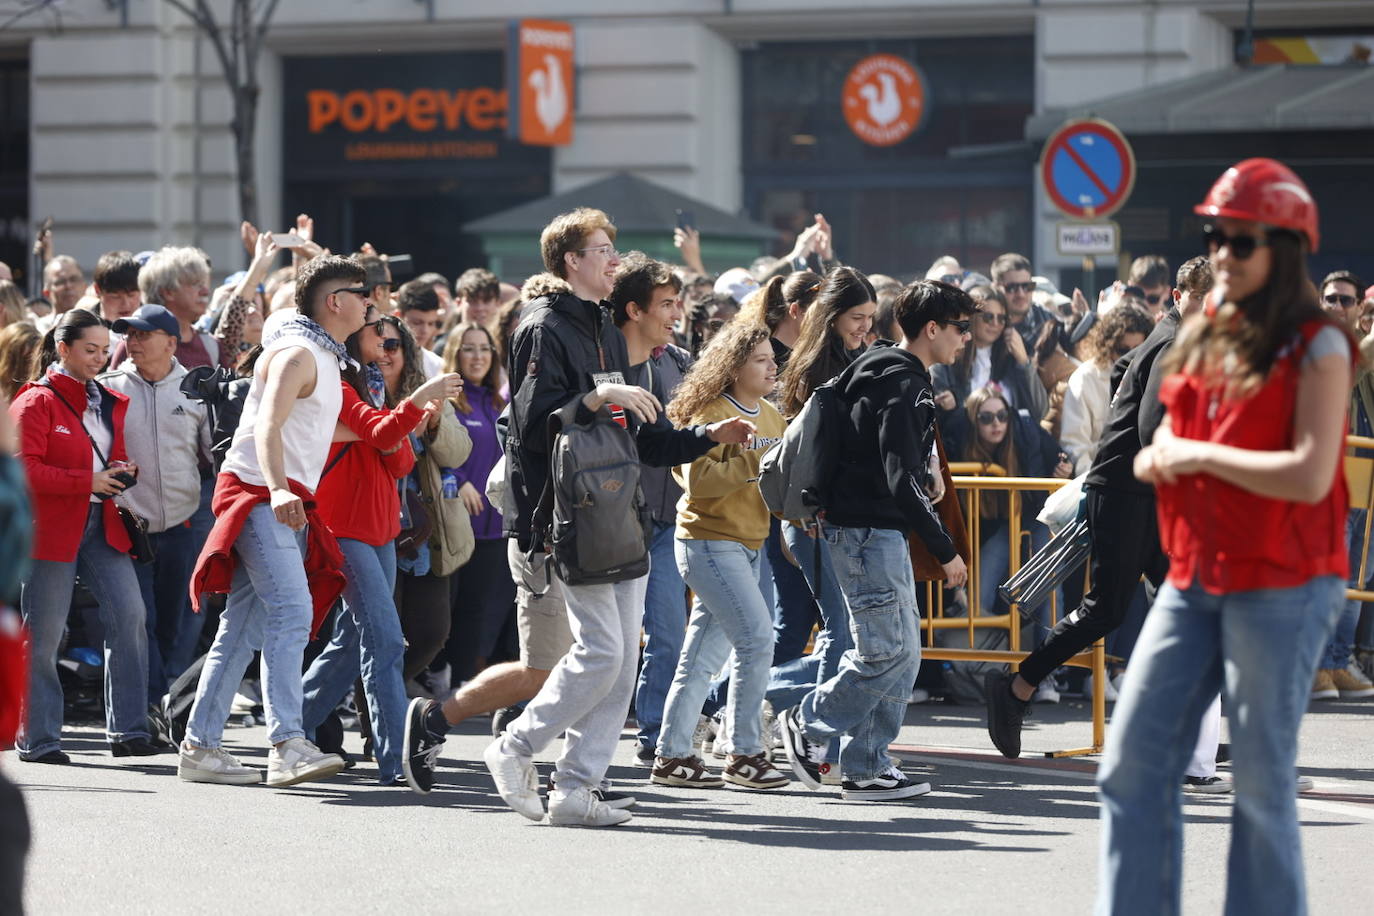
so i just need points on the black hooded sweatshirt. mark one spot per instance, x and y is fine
(887, 439)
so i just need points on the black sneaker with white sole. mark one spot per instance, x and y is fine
(805, 755)
(888, 785)
(644, 755)
(421, 748)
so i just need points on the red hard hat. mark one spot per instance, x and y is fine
(1264, 191)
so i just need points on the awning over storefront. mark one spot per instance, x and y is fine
(1236, 99)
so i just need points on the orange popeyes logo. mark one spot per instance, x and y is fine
(884, 99)
(423, 110)
(545, 51)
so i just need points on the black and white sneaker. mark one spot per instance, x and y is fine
(503, 717)
(644, 755)
(616, 801)
(890, 784)
(421, 748)
(805, 755)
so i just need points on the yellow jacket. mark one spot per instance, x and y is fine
(721, 499)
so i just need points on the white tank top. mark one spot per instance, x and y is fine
(308, 430)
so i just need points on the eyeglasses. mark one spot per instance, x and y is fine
(1240, 246)
(960, 326)
(608, 250)
(992, 318)
(1153, 298)
(477, 350)
(355, 290)
(989, 417)
(391, 344)
(1026, 287)
(1344, 302)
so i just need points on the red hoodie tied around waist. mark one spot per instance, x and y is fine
(215, 567)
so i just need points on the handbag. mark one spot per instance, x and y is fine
(141, 548)
(417, 523)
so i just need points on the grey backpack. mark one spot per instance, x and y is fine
(796, 473)
(592, 515)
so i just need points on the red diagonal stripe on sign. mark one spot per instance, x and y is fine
(1092, 176)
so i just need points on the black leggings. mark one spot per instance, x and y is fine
(423, 603)
(1125, 545)
(483, 610)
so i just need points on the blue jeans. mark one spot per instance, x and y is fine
(269, 608)
(367, 640)
(994, 563)
(728, 611)
(665, 625)
(796, 610)
(163, 585)
(865, 701)
(184, 649)
(1336, 654)
(1260, 649)
(44, 601)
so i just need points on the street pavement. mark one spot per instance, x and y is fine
(995, 836)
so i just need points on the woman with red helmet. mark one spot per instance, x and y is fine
(1252, 505)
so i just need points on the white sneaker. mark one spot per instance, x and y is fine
(517, 781)
(1089, 685)
(720, 748)
(297, 760)
(703, 736)
(1046, 692)
(214, 764)
(918, 695)
(768, 728)
(580, 808)
(1305, 783)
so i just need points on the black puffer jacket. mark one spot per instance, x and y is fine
(561, 345)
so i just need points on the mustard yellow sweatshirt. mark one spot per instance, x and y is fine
(721, 499)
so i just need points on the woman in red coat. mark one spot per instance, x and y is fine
(72, 446)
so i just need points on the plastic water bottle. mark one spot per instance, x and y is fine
(450, 484)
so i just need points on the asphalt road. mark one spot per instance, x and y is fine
(995, 836)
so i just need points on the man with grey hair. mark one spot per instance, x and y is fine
(63, 284)
(178, 279)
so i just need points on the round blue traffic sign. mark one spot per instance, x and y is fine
(1088, 169)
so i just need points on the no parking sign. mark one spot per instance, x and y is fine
(1088, 169)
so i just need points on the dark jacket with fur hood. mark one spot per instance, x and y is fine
(561, 343)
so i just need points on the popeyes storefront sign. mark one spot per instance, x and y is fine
(884, 99)
(405, 115)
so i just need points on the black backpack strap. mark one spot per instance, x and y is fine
(542, 518)
(80, 421)
(335, 460)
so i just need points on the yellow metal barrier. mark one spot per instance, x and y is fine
(972, 480)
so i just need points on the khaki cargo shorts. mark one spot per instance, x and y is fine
(542, 619)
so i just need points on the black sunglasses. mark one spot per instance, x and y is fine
(960, 326)
(1026, 287)
(1344, 302)
(989, 417)
(391, 344)
(992, 318)
(356, 290)
(1240, 246)
(1153, 298)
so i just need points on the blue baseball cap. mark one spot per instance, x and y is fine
(148, 318)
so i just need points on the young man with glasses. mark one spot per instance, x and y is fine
(568, 351)
(1011, 276)
(884, 488)
(269, 549)
(1338, 675)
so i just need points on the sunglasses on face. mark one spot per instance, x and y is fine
(355, 290)
(391, 344)
(960, 326)
(1153, 298)
(989, 417)
(1240, 246)
(992, 318)
(1026, 287)
(1344, 302)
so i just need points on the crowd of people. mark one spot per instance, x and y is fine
(367, 489)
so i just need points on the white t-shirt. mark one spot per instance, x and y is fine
(982, 368)
(434, 363)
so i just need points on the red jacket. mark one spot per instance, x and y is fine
(1232, 540)
(233, 500)
(357, 497)
(57, 461)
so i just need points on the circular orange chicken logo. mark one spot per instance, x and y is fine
(884, 99)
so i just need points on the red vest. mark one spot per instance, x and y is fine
(1231, 540)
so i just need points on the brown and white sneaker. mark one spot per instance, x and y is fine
(753, 771)
(684, 771)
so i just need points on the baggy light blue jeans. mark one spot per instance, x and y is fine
(728, 612)
(1260, 649)
(44, 601)
(866, 699)
(665, 626)
(1336, 654)
(269, 608)
(367, 641)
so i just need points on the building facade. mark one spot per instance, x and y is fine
(738, 103)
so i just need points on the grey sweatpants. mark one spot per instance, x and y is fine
(588, 693)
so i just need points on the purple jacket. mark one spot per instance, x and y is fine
(486, 451)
